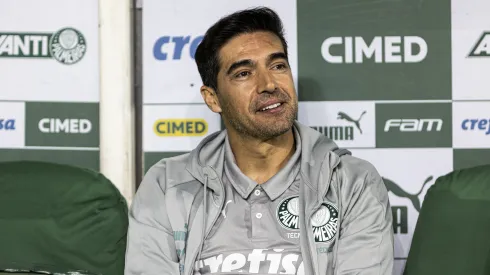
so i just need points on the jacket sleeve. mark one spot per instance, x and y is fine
(366, 245)
(150, 247)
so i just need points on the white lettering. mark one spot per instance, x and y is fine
(293, 235)
(233, 262)
(275, 260)
(214, 263)
(325, 232)
(36, 46)
(289, 219)
(392, 49)
(332, 227)
(317, 233)
(255, 258)
(348, 50)
(259, 261)
(362, 49)
(60, 126)
(42, 125)
(23, 45)
(7, 46)
(325, 49)
(287, 263)
(386, 49)
(413, 125)
(411, 57)
(71, 126)
(44, 44)
(85, 126)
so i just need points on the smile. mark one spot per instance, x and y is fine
(273, 106)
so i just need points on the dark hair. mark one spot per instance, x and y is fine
(228, 27)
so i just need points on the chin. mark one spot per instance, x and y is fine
(278, 129)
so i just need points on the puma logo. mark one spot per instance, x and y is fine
(223, 212)
(399, 192)
(344, 116)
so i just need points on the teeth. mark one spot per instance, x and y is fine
(271, 106)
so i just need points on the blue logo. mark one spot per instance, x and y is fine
(179, 46)
(474, 124)
(7, 124)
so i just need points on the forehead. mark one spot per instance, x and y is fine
(255, 45)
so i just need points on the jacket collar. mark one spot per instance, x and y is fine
(316, 155)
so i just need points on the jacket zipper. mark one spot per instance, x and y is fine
(307, 229)
(220, 205)
(311, 240)
(310, 215)
(191, 270)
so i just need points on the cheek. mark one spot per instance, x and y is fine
(287, 83)
(240, 106)
(235, 99)
(233, 105)
(284, 77)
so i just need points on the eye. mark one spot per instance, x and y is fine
(280, 66)
(242, 74)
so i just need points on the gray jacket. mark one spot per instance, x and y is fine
(167, 223)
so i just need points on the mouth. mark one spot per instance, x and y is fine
(275, 108)
(271, 107)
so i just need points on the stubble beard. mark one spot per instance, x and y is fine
(256, 130)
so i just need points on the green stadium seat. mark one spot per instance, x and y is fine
(60, 219)
(452, 234)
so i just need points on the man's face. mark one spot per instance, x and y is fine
(256, 94)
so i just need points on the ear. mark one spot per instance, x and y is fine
(211, 99)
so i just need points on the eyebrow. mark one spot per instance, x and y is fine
(250, 63)
(278, 55)
(235, 65)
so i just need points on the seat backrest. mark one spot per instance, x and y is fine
(452, 234)
(60, 219)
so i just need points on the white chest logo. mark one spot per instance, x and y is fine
(288, 213)
(323, 222)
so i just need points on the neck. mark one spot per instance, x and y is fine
(260, 160)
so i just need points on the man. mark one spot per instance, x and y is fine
(268, 195)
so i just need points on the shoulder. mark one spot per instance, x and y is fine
(168, 173)
(162, 185)
(357, 176)
(357, 167)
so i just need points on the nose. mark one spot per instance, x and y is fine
(267, 83)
